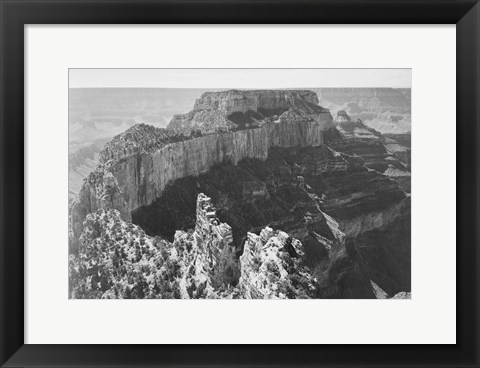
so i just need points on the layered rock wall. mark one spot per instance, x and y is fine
(363, 223)
(142, 177)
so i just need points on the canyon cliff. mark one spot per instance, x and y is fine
(138, 164)
(303, 202)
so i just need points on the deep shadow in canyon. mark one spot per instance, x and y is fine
(291, 191)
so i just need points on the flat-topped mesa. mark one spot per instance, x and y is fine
(230, 110)
(266, 102)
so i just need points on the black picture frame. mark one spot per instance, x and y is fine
(17, 13)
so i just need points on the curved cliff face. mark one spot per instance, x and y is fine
(137, 165)
(141, 177)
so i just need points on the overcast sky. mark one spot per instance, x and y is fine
(239, 78)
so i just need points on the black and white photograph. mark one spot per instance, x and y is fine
(264, 192)
(176, 173)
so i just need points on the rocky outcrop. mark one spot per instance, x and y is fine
(216, 240)
(271, 268)
(118, 260)
(99, 191)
